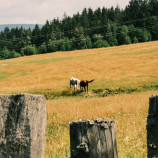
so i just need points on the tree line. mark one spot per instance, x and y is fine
(103, 27)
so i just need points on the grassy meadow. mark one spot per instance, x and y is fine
(125, 77)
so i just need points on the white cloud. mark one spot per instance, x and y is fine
(38, 11)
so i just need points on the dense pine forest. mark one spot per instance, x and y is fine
(103, 27)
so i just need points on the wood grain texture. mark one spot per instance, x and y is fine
(94, 138)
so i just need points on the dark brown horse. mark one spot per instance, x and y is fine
(84, 84)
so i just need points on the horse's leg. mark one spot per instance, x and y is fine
(70, 84)
(81, 88)
(87, 88)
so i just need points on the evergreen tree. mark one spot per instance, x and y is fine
(46, 32)
(104, 16)
(153, 7)
(98, 14)
(111, 14)
(110, 34)
(90, 17)
(152, 24)
(84, 19)
(79, 39)
(36, 38)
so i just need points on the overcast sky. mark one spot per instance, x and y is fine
(38, 11)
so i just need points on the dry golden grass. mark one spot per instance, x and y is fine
(129, 65)
(129, 110)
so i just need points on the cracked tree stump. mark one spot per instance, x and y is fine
(22, 126)
(94, 138)
(152, 127)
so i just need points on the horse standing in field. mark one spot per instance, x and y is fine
(73, 82)
(84, 84)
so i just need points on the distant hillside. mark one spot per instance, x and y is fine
(25, 26)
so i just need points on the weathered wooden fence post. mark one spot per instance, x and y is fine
(22, 126)
(152, 127)
(94, 138)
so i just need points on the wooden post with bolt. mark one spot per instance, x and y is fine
(93, 138)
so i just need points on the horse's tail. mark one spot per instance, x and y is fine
(90, 81)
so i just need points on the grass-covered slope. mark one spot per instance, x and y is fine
(116, 70)
(123, 67)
